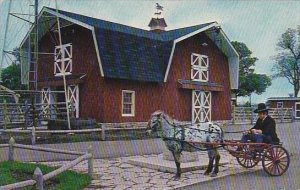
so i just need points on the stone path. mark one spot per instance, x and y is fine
(117, 174)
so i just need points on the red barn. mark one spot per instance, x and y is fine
(117, 73)
(292, 103)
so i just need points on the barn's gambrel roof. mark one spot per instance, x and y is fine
(131, 53)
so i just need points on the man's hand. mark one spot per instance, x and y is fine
(254, 131)
(246, 132)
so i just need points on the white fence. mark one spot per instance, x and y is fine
(104, 127)
(38, 178)
(246, 114)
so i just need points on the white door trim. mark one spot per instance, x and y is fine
(201, 106)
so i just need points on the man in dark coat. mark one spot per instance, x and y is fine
(264, 129)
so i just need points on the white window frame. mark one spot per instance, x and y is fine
(132, 114)
(199, 67)
(296, 110)
(63, 59)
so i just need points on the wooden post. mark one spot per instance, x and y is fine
(233, 118)
(5, 114)
(11, 149)
(103, 132)
(252, 115)
(33, 136)
(27, 114)
(38, 177)
(90, 161)
(33, 112)
(292, 115)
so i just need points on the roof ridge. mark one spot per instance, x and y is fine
(98, 19)
(167, 35)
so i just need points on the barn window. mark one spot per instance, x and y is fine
(280, 105)
(63, 60)
(199, 67)
(128, 103)
(297, 110)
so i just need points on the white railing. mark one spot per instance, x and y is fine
(38, 177)
(247, 115)
(104, 127)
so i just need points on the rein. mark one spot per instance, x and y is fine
(235, 131)
(190, 144)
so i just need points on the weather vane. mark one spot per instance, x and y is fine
(159, 9)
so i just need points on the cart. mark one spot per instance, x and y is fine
(274, 157)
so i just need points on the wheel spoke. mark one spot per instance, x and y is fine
(282, 154)
(268, 163)
(278, 169)
(270, 168)
(278, 150)
(248, 162)
(282, 166)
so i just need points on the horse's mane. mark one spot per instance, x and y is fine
(166, 116)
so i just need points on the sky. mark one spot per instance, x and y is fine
(257, 23)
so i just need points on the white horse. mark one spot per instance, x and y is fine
(178, 138)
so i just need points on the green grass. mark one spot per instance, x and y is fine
(12, 172)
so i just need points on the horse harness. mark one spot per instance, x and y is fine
(182, 139)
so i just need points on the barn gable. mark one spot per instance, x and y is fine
(130, 53)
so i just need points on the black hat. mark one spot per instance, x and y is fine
(261, 107)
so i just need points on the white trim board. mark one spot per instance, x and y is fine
(233, 59)
(92, 28)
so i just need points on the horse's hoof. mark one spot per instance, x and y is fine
(213, 175)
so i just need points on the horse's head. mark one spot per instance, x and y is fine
(155, 122)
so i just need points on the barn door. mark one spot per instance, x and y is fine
(201, 109)
(73, 97)
(47, 101)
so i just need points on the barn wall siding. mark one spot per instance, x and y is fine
(84, 62)
(218, 73)
(101, 98)
(286, 104)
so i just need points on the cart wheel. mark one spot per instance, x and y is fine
(276, 160)
(246, 159)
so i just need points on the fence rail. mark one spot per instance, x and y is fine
(38, 177)
(34, 132)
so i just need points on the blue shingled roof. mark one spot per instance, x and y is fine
(132, 53)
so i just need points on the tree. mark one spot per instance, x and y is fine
(249, 82)
(287, 60)
(11, 77)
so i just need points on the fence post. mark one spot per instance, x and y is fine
(281, 115)
(252, 115)
(11, 149)
(292, 114)
(38, 177)
(33, 113)
(103, 132)
(5, 114)
(27, 114)
(233, 117)
(90, 161)
(33, 135)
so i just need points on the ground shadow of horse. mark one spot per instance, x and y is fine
(187, 137)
